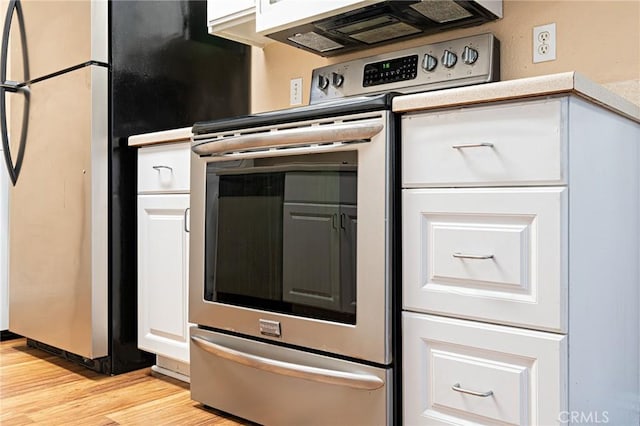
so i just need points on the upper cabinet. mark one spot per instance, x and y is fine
(276, 15)
(234, 20)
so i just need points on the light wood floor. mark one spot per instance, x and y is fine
(39, 388)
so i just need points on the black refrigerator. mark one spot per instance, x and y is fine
(82, 77)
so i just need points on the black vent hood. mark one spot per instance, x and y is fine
(387, 22)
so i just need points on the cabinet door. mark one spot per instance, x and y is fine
(470, 373)
(163, 253)
(319, 256)
(226, 9)
(235, 20)
(276, 15)
(348, 252)
(311, 255)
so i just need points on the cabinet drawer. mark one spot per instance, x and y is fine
(519, 144)
(462, 372)
(164, 168)
(488, 254)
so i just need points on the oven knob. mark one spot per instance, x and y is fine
(429, 62)
(449, 59)
(469, 55)
(337, 79)
(323, 82)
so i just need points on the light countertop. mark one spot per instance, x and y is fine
(570, 83)
(554, 84)
(166, 136)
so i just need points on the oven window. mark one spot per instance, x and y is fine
(281, 235)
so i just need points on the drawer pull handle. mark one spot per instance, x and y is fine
(163, 167)
(457, 388)
(473, 145)
(473, 256)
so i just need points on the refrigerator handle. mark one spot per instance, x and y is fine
(12, 86)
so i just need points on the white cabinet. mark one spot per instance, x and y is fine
(277, 15)
(481, 373)
(498, 145)
(163, 251)
(234, 20)
(521, 239)
(223, 9)
(163, 256)
(164, 169)
(493, 254)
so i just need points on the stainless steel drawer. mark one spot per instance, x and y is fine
(274, 385)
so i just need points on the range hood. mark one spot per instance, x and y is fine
(386, 22)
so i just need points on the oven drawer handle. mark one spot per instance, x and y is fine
(333, 377)
(290, 137)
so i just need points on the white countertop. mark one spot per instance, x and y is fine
(166, 136)
(554, 84)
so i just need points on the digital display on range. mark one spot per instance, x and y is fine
(390, 71)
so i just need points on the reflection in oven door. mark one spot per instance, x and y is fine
(319, 228)
(286, 236)
(245, 260)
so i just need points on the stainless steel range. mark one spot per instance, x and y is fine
(294, 243)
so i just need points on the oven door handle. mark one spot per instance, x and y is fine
(333, 377)
(299, 136)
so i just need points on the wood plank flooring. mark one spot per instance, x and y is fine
(39, 388)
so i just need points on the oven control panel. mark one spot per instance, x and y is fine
(390, 71)
(451, 63)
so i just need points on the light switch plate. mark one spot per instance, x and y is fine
(295, 94)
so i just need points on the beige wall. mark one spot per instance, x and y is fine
(600, 39)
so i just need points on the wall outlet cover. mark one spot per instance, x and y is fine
(544, 43)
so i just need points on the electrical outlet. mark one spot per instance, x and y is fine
(544, 43)
(295, 94)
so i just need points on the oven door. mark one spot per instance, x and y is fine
(291, 232)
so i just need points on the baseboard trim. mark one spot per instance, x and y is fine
(8, 335)
(170, 373)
